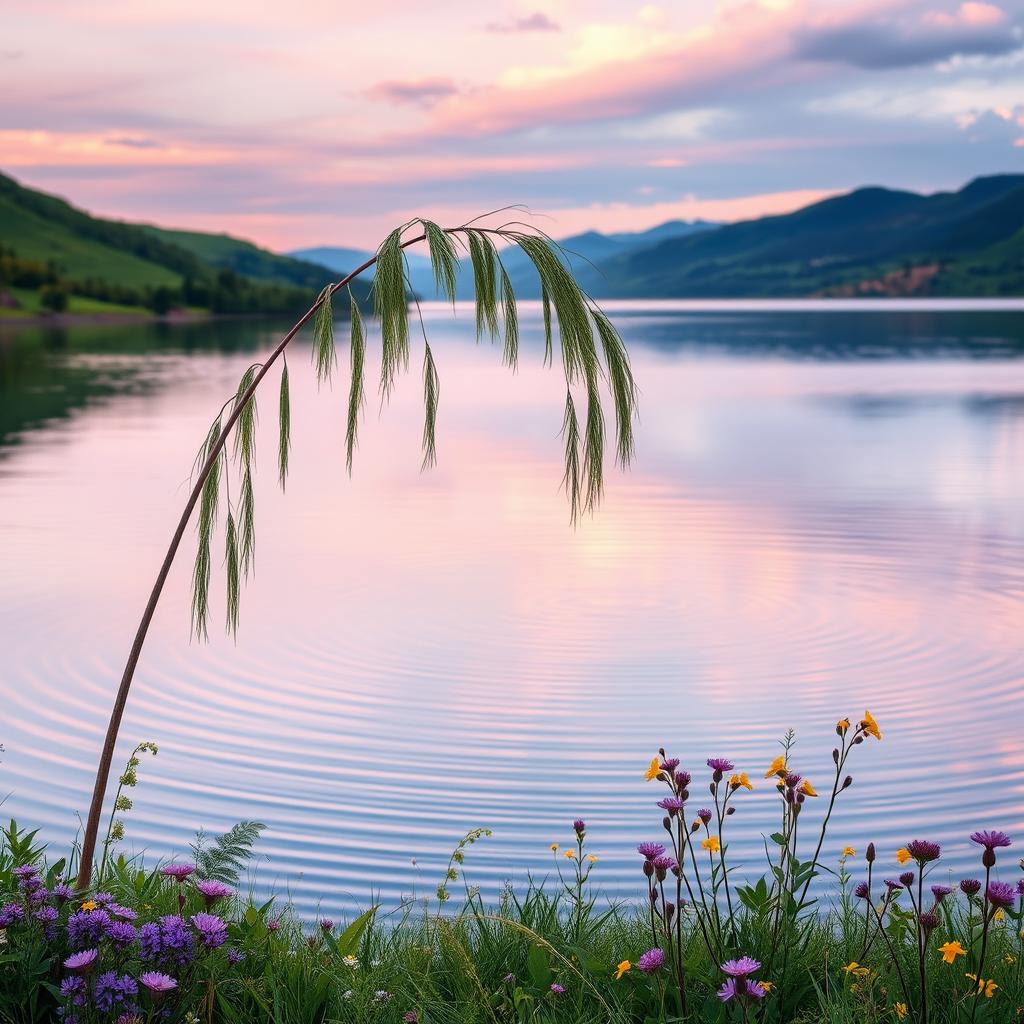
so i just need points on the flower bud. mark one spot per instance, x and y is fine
(988, 858)
(835, 755)
(648, 868)
(730, 810)
(869, 856)
(858, 739)
(847, 782)
(667, 823)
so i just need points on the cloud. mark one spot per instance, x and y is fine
(885, 41)
(132, 142)
(422, 92)
(536, 22)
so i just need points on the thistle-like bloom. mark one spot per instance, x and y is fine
(273, 925)
(24, 871)
(125, 913)
(649, 851)
(663, 865)
(621, 969)
(940, 892)
(670, 764)
(672, 804)
(870, 726)
(83, 962)
(10, 913)
(110, 990)
(970, 886)
(157, 984)
(556, 989)
(651, 961)
(122, 933)
(863, 891)
(1001, 895)
(212, 930)
(907, 879)
(87, 927)
(212, 891)
(579, 826)
(705, 815)
(720, 764)
(410, 1017)
(893, 887)
(923, 851)
(777, 767)
(741, 968)
(950, 951)
(991, 840)
(62, 892)
(683, 779)
(73, 990)
(929, 921)
(326, 925)
(179, 872)
(235, 957)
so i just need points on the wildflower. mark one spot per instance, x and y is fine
(991, 840)
(683, 779)
(592, 858)
(741, 968)
(767, 985)
(999, 915)
(777, 767)
(122, 934)
(83, 962)
(720, 765)
(621, 969)
(87, 927)
(347, 994)
(735, 988)
(923, 851)
(670, 764)
(212, 891)
(893, 887)
(856, 969)
(653, 770)
(62, 892)
(1000, 894)
(807, 789)
(907, 879)
(326, 925)
(863, 891)
(900, 1009)
(870, 726)
(650, 851)
(212, 930)
(842, 725)
(350, 961)
(556, 989)
(663, 865)
(509, 979)
(554, 847)
(273, 925)
(179, 872)
(570, 854)
(11, 913)
(24, 871)
(849, 851)
(73, 990)
(125, 913)
(902, 855)
(411, 1017)
(929, 921)
(712, 844)
(970, 886)
(705, 815)
(235, 957)
(579, 827)
(90, 905)
(111, 989)
(740, 780)
(382, 995)
(951, 950)
(672, 804)
(940, 892)
(651, 961)
(983, 987)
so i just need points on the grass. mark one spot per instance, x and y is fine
(29, 305)
(774, 950)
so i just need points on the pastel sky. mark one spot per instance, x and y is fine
(318, 122)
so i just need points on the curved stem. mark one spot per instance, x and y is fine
(117, 712)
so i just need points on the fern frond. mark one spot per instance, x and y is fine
(284, 433)
(391, 308)
(323, 352)
(431, 394)
(355, 392)
(225, 858)
(444, 258)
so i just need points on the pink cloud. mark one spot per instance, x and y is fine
(424, 91)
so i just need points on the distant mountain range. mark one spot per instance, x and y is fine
(869, 242)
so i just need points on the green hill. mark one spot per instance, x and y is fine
(872, 241)
(56, 256)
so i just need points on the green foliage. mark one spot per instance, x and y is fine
(357, 358)
(225, 856)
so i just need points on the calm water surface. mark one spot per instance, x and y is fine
(826, 514)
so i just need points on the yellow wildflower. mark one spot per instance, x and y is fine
(569, 854)
(987, 988)
(870, 726)
(807, 789)
(767, 985)
(554, 847)
(902, 855)
(90, 905)
(849, 851)
(842, 725)
(855, 968)
(1010, 959)
(711, 843)
(654, 770)
(592, 857)
(951, 950)
(777, 767)
(740, 780)
(900, 1009)
(622, 968)
(999, 915)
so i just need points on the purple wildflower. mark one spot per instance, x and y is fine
(557, 989)
(893, 887)
(62, 892)
(11, 912)
(83, 962)
(212, 930)
(509, 979)
(923, 850)
(179, 872)
(212, 891)
(411, 1017)
(122, 934)
(157, 984)
(73, 989)
(907, 878)
(46, 915)
(103, 898)
(87, 927)
(24, 871)
(670, 764)
(741, 968)
(991, 840)
(705, 815)
(651, 961)
(169, 941)
(326, 925)
(1020, 887)
(863, 891)
(110, 990)
(683, 779)
(728, 990)
(125, 913)
(31, 884)
(793, 780)
(235, 956)
(940, 892)
(579, 826)
(720, 765)
(672, 804)
(649, 851)
(273, 925)
(1001, 895)
(970, 886)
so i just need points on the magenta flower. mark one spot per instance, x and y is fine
(970, 886)
(991, 840)
(651, 961)
(83, 962)
(25, 871)
(741, 968)
(157, 984)
(213, 932)
(1001, 895)
(411, 1017)
(326, 925)
(863, 891)
(738, 988)
(557, 989)
(212, 891)
(649, 851)
(720, 764)
(672, 804)
(235, 957)
(179, 872)
(705, 815)
(670, 764)
(923, 851)
(273, 925)
(940, 892)
(579, 826)
(683, 779)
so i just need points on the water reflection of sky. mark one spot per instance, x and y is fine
(420, 654)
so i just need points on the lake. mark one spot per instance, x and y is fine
(826, 514)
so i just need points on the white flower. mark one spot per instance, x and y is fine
(350, 961)
(347, 994)
(381, 996)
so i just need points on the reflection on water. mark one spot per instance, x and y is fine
(824, 515)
